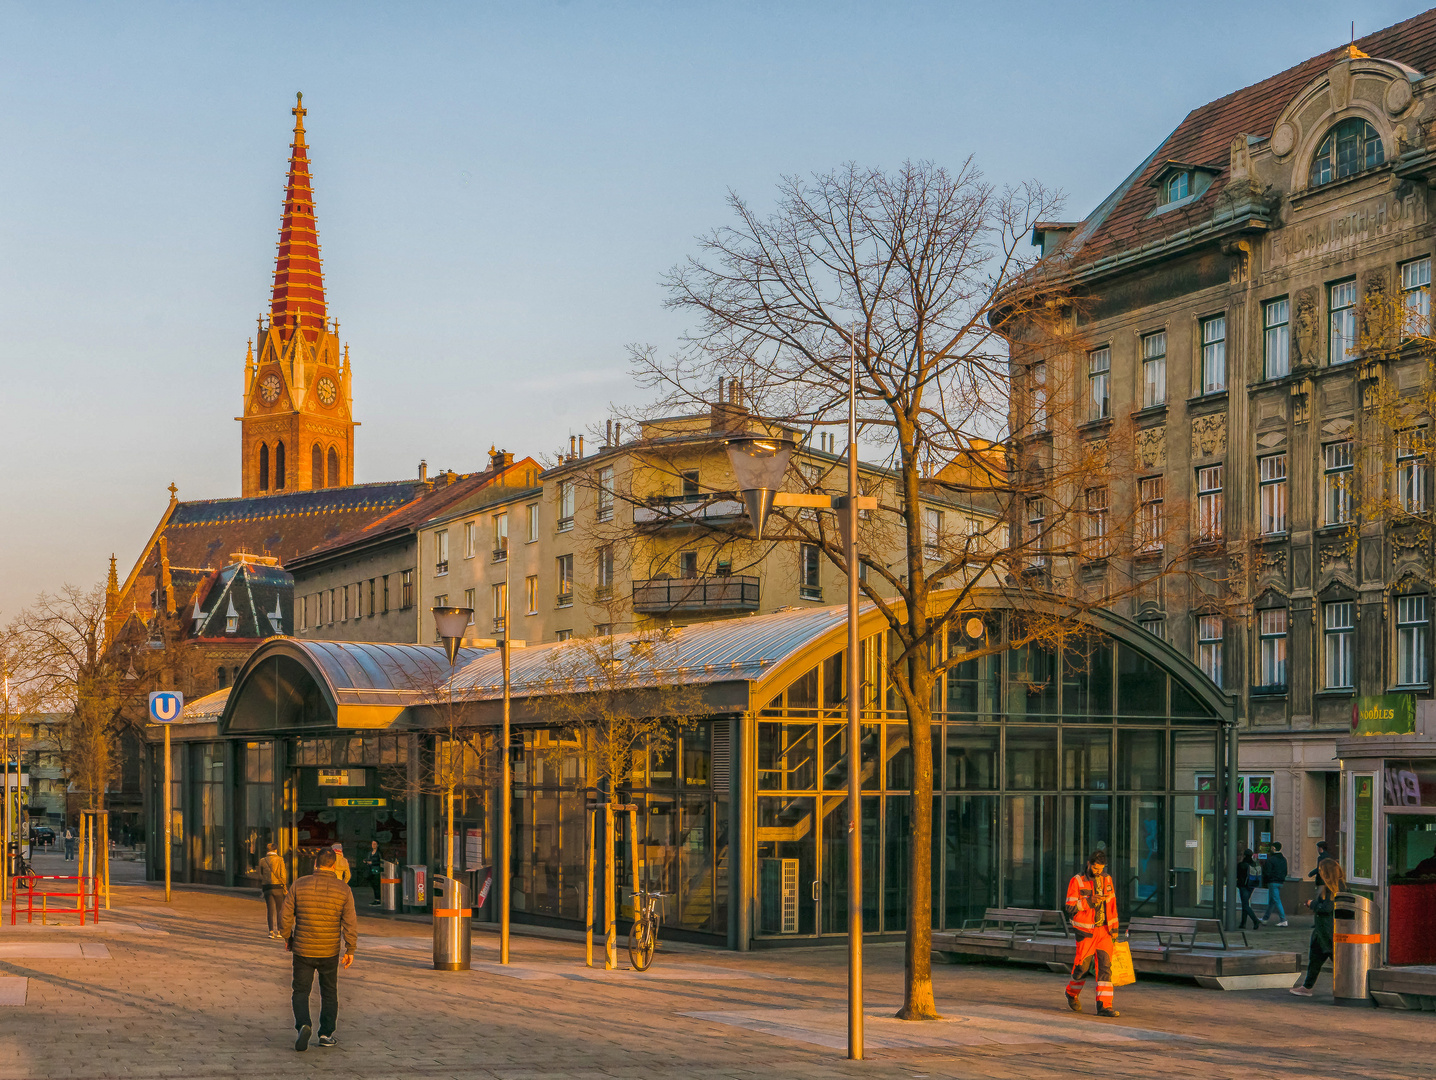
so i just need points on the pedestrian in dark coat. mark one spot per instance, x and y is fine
(1248, 878)
(1323, 932)
(320, 928)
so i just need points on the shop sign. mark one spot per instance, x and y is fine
(341, 777)
(358, 802)
(1384, 714)
(1254, 794)
(1409, 783)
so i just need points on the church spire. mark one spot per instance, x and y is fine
(298, 299)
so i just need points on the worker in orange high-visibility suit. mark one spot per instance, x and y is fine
(1092, 907)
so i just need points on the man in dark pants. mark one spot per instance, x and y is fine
(321, 929)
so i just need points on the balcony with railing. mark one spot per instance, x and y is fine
(680, 510)
(731, 592)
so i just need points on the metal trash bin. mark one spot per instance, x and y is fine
(416, 886)
(389, 883)
(1357, 948)
(452, 929)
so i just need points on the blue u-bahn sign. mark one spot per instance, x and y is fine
(166, 706)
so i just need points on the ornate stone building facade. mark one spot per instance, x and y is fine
(1224, 299)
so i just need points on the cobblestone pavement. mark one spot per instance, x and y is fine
(196, 989)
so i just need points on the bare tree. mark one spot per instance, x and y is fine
(971, 385)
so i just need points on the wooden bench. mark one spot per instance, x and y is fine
(1017, 920)
(1178, 933)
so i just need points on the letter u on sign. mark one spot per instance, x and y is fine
(166, 706)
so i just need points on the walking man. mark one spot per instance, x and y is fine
(1092, 907)
(320, 928)
(273, 878)
(1273, 876)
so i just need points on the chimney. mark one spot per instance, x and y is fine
(499, 459)
(608, 435)
(423, 471)
(572, 447)
(617, 433)
(580, 446)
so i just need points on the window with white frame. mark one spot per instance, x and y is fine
(1336, 479)
(1099, 390)
(1036, 530)
(442, 600)
(605, 570)
(1341, 346)
(1271, 480)
(471, 601)
(1039, 397)
(531, 594)
(501, 537)
(531, 512)
(471, 539)
(605, 493)
(406, 589)
(1151, 519)
(501, 606)
(562, 635)
(1339, 630)
(1154, 369)
(566, 499)
(1411, 470)
(1271, 645)
(1276, 355)
(1209, 502)
(809, 585)
(565, 580)
(1177, 187)
(1416, 296)
(1096, 522)
(1412, 640)
(1154, 625)
(1214, 354)
(441, 552)
(931, 533)
(1210, 632)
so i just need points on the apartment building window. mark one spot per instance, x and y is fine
(331, 607)
(501, 537)
(1351, 147)
(1339, 630)
(689, 478)
(1154, 369)
(1099, 391)
(371, 598)
(562, 635)
(1096, 522)
(471, 601)
(1154, 625)
(304, 613)
(386, 594)
(441, 552)
(1214, 354)
(1277, 345)
(1178, 184)
(931, 533)
(808, 585)
(406, 589)
(604, 629)
(471, 539)
(605, 570)
(1209, 503)
(605, 494)
(1336, 482)
(1039, 397)
(565, 580)
(1411, 470)
(531, 593)
(1341, 348)
(358, 599)
(1036, 531)
(1209, 646)
(1416, 296)
(1151, 522)
(1271, 479)
(1271, 644)
(442, 600)
(1412, 638)
(565, 505)
(501, 607)
(532, 513)
(688, 565)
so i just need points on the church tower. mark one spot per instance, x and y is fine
(297, 430)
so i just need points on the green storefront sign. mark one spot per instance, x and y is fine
(1385, 714)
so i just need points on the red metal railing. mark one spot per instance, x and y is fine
(87, 898)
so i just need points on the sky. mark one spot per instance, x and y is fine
(499, 189)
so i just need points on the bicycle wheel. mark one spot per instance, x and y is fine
(640, 943)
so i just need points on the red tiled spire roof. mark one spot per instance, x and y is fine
(298, 277)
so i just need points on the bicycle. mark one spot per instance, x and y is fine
(643, 934)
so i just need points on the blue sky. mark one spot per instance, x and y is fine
(498, 190)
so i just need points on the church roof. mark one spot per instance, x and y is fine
(258, 598)
(298, 299)
(1123, 222)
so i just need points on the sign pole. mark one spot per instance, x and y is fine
(169, 814)
(166, 707)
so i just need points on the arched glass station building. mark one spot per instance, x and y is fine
(1115, 741)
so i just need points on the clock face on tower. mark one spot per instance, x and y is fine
(326, 390)
(269, 388)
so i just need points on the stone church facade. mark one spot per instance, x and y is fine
(1223, 296)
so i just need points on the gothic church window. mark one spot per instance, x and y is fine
(1349, 148)
(279, 466)
(334, 480)
(316, 467)
(263, 467)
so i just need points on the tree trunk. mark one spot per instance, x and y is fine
(918, 1002)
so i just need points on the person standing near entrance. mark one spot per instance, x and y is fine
(1333, 881)
(273, 878)
(375, 862)
(321, 929)
(1273, 876)
(1092, 907)
(69, 844)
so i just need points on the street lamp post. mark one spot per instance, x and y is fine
(759, 463)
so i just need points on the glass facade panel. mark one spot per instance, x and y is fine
(1141, 760)
(787, 864)
(1087, 682)
(1141, 685)
(1031, 759)
(1029, 848)
(1087, 760)
(972, 758)
(970, 858)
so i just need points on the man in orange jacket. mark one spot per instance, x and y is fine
(1092, 907)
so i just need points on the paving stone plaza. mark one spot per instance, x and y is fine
(196, 989)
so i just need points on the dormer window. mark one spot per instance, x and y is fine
(1178, 184)
(1349, 148)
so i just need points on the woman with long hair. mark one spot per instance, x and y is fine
(1248, 875)
(1332, 881)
